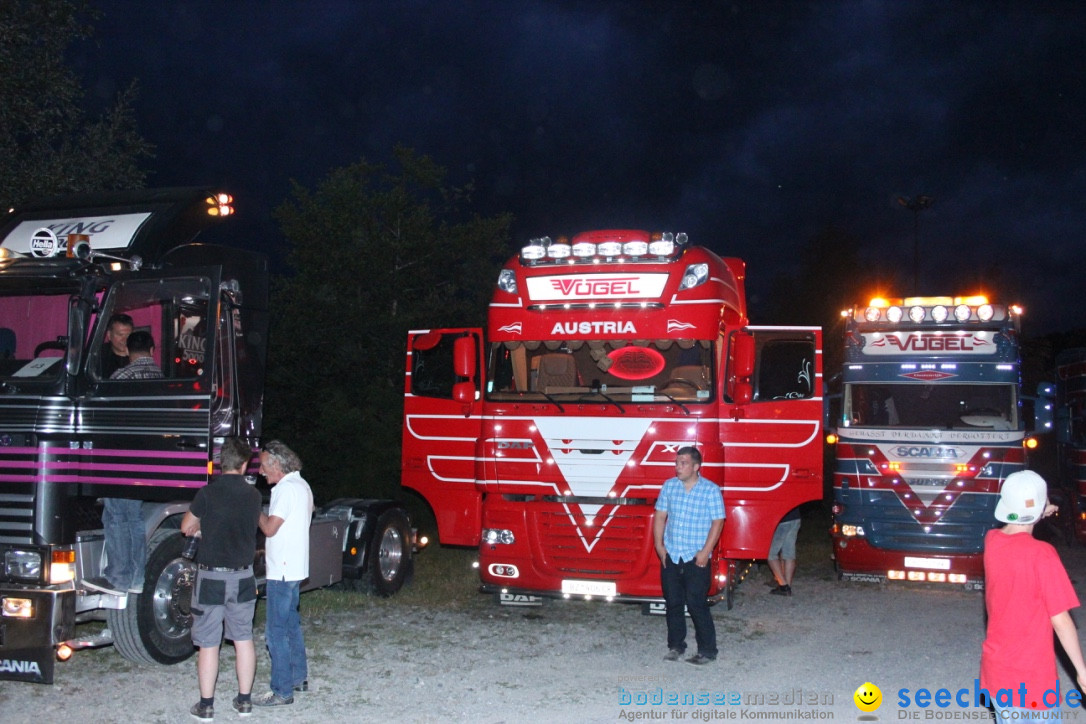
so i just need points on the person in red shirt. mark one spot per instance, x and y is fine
(1028, 596)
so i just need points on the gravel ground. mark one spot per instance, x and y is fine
(590, 662)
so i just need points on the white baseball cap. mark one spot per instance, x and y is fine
(1023, 498)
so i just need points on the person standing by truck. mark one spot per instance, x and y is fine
(225, 514)
(1028, 596)
(689, 519)
(122, 518)
(286, 525)
(782, 552)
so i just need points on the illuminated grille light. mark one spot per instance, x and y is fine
(896, 575)
(583, 249)
(609, 248)
(956, 577)
(985, 312)
(939, 313)
(916, 314)
(871, 314)
(894, 314)
(662, 248)
(635, 248)
(961, 312)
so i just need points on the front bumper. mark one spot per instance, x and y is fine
(28, 644)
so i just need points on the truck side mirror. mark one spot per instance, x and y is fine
(464, 364)
(464, 359)
(464, 392)
(740, 388)
(742, 355)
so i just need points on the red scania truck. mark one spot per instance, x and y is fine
(932, 421)
(545, 438)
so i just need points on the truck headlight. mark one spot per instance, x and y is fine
(850, 531)
(16, 607)
(22, 564)
(493, 536)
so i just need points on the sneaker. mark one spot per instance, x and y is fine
(302, 687)
(243, 708)
(672, 655)
(270, 698)
(698, 660)
(201, 712)
(103, 586)
(782, 591)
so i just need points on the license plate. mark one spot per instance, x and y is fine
(935, 564)
(589, 588)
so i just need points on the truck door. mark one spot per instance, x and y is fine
(773, 442)
(154, 434)
(442, 423)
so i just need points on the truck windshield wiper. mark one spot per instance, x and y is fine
(610, 399)
(553, 401)
(681, 405)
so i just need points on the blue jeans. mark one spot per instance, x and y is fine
(283, 633)
(126, 543)
(687, 584)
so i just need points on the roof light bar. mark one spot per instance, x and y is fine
(621, 247)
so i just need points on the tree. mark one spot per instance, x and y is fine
(47, 143)
(373, 253)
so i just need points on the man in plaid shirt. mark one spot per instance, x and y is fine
(689, 519)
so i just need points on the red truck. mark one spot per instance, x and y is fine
(545, 438)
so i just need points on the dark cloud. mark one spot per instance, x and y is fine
(752, 125)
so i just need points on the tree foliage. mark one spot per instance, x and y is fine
(48, 145)
(373, 253)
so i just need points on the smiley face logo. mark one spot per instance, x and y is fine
(868, 697)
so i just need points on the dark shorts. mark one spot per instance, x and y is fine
(223, 602)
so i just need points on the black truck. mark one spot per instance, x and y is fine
(70, 436)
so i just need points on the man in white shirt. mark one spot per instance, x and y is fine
(286, 526)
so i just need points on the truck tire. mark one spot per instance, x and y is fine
(390, 553)
(156, 626)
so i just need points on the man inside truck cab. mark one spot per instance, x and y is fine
(141, 359)
(115, 355)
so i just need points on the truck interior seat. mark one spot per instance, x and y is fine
(557, 370)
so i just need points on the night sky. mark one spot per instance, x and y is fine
(753, 126)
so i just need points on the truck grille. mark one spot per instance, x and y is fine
(619, 551)
(16, 515)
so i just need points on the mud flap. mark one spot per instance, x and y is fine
(34, 665)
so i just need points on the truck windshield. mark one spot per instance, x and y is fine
(944, 406)
(619, 370)
(33, 335)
